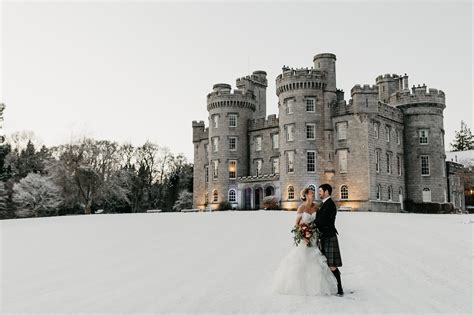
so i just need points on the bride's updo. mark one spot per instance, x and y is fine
(304, 192)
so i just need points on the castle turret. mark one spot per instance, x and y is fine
(257, 83)
(301, 106)
(229, 113)
(424, 135)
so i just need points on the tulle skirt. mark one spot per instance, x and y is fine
(304, 271)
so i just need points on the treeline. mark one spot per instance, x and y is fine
(91, 175)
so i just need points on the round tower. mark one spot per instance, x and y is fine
(229, 113)
(424, 143)
(300, 104)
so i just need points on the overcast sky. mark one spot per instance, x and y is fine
(132, 71)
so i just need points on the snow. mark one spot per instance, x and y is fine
(223, 262)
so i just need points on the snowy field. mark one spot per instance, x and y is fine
(223, 262)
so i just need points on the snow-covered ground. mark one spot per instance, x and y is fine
(223, 262)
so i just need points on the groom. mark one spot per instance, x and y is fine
(325, 218)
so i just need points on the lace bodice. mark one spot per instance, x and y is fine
(307, 217)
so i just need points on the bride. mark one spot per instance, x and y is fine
(304, 270)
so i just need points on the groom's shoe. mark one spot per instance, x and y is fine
(337, 274)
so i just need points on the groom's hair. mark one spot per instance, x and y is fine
(326, 187)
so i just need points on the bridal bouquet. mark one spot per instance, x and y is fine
(304, 232)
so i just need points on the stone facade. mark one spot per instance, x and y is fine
(381, 147)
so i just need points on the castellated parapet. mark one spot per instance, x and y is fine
(262, 123)
(418, 95)
(304, 78)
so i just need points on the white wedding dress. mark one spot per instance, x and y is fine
(304, 270)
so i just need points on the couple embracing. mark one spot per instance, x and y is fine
(311, 268)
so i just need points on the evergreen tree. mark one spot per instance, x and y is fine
(463, 139)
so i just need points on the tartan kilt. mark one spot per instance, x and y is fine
(330, 248)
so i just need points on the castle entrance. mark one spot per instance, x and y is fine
(248, 198)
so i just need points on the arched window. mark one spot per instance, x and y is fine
(344, 192)
(389, 192)
(426, 195)
(400, 194)
(232, 197)
(269, 191)
(291, 193)
(215, 196)
(379, 190)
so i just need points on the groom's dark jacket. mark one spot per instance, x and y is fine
(325, 219)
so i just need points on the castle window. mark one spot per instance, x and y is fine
(423, 133)
(290, 132)
(387, 133)
(275, 141)
(441, 135)
(311, 161)
(215, 120)
(377, 161)
(344, 192)
(425, 165)
(289, 106)
(232, 195)
(389, 192)
(276, 166)
(258, 167)
(310, 131)
(206, 173)
(342, 161)
(215, 196)
(400, 194)
(389, 163)
(426, 195)
(232, 169)
(206, 149)
(290, 161)
(398, 137)
(399, 165)
(206, 198)
(341, 130)
(258, 143)
(378, 192)
(376, 130)
(310, 104)
(291, 193)
(232, 120)
(215, 165)
(232, 143)
(215, 144)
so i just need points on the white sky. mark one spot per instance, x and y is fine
(132, 71)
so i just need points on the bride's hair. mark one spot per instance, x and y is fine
(304, 192)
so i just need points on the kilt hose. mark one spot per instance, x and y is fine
(330, 248)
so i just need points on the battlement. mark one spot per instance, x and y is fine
(258, 76)
(390, 112)
(262, 123)
(365, 89)
(298, 72)
(418, 94)
(198, 123)
(304, 78)
(387, 77)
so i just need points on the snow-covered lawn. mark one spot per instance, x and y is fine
(223, 262)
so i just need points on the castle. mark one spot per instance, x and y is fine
(381, 147)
